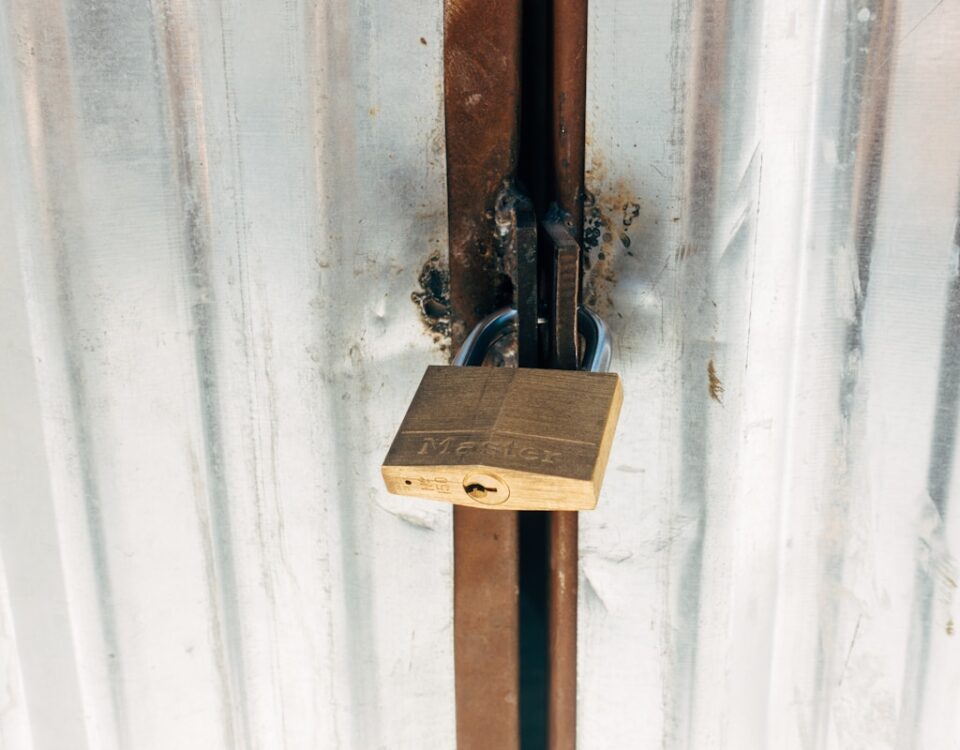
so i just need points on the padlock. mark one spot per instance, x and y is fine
(509, 438)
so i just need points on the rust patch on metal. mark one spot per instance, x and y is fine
(613, 217)
(433, 301)
(714, 385)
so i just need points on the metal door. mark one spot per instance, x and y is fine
(222, 224)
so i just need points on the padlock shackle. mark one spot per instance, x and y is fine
(597, 351)
(475, 346)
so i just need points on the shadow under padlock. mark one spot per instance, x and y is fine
(509, 438)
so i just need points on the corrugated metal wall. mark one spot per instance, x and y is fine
(772, 563)
(212, 217)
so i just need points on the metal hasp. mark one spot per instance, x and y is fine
(482, 95)
(565, 293)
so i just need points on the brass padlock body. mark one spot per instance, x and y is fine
(506, 438)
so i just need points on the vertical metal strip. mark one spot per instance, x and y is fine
(569, 106)
(486, 626)
(481, 59)
(569, 116)
(482, 96)
(562, 687)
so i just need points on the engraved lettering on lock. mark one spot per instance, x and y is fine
(436, 484)
(490, 448)
(549, 457)
(433, 446)
(466, 447)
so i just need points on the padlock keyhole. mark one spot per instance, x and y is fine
(478, 491)
(486, 489)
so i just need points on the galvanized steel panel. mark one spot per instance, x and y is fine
(775, 192)
(212, 219)
(214, 216)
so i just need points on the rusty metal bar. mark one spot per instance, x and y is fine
(562, 618)
(486, 627)
(569, 105)
(569, 133)
(482, 99)
(563, 527)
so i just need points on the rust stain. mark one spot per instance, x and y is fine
(714, 385)
(433, 301)
(612, 213)
(950, 627)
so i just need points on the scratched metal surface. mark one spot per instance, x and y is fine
(772, 562)
(213, 216)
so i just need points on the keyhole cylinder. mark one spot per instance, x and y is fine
(486, 489)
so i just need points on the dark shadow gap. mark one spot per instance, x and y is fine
(535, 173)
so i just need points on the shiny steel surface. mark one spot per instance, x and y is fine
(597, 351)
(213, 216)
(773, 562)
(493, 327)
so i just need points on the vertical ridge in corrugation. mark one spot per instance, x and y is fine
(338, 37)
(49, 108)
(799, 442)
(182, 82)
(245, 216)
